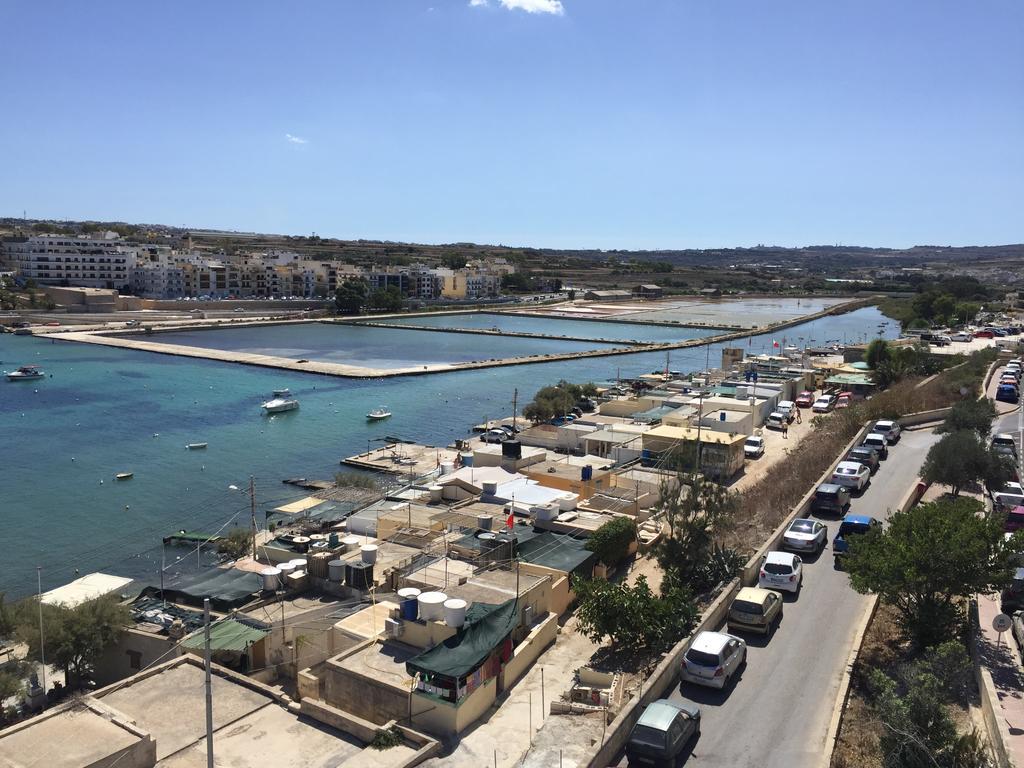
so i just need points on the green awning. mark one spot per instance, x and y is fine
(226, 635)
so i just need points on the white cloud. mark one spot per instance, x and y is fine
(295, 139)
(477, 3)
(535, 6)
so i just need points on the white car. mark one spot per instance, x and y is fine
(753, 447)
(776, 420)
(851, 474)
(805, 535)
(713, 658)
(962, 337)
(781, 570)
(891, 429)
(824, 404)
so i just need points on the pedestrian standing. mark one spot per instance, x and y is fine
(799, 419)
(785, 430)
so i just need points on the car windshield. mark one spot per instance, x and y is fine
(846, 471)
(644, 734)
(702, 658)
(781, 569)
(825, 495)
(802, 526)
(745, 606)
(753, 442)
(847, 528)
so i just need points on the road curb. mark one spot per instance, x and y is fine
(843, 695)
(912, 497)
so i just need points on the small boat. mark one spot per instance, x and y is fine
(280, 405)
(196, 446)
(282, 393)
(26, 373)
(378, 413)
(124, 475)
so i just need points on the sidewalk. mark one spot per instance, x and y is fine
(1003, 662)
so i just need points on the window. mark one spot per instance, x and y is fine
(134, 659)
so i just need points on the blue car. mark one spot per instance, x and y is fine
(1007, 393)
(852, 525)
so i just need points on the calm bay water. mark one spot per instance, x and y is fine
(108, 410)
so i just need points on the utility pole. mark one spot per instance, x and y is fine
(209, 683)
(42, 639)
(252, 509)
(515, 407)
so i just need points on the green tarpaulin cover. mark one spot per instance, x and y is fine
(466, 650)
(226, 635)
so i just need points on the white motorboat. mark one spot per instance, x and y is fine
(26, 373)
(378, 413)
(282, 393)
(280, 405)
(196, 446)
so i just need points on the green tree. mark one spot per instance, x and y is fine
(944, 307)
(538, 412)
(928, 560)
(913, 707)
(389, 299)
(453, 260)
(633, 617)
(972, 415)
(697, 512)
(876, 353)
(75, 637)
(961, 459)
(350, 297)
(612, 540)
(237, 544)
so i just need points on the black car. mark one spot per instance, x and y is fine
(662, 732)
(1012, 598)
(864, 455)
(830, 499)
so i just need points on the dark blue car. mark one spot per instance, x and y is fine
(852, 525)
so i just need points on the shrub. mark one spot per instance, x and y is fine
(612, 540)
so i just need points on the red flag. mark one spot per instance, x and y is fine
(775, 343)
(511, 520)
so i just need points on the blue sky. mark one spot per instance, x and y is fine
(580, 123)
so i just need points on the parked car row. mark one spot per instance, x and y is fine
(1008, 388)
(665, 728)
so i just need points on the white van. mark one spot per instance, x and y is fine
(787, 408)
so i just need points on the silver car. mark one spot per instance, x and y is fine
(805, 535)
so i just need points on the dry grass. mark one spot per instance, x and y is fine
(766, 503)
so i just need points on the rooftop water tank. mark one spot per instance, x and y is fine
(435, 493)
(301, 543)
(368, 553)
(455, 612)
(484, 522)
(466, 459)
(359, 576)
(489, 489)
(336, 570)
(271, 578)
(334, 540)
(512, 449)
(350, 542)
(409, 600)
(566, 502)
(546, 513)
(447, 467)
(300, 563)
(432, 605)
(285, 569)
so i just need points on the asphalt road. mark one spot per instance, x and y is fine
(776, 713)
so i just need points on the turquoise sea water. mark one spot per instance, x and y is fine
(100, 413)
(592, 329)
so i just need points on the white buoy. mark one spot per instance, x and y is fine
(101, 482)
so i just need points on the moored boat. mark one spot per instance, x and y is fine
(280, 405)
(378, 413)
(282, 393)
(26, 373)
(124, 475)
(196, 446)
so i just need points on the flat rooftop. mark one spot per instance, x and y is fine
(384, 662)
(72, 737)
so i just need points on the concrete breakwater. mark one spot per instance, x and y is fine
(132, 341)
(499, 332)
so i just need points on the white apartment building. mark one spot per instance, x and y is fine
(90, 262)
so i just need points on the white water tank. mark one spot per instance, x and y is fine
(368, 553)
(286, 569)
(484, 522)
(271, 578)
(455, 612)
(300, 563)
(447, 467)
(301, 543)
(567, 501)
(489, 488)
(546, 513)
(350, 542)
(432, 605)
(336, 570)
(435, 493)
